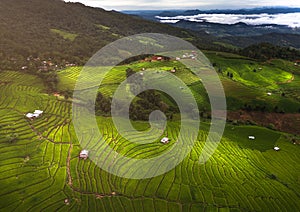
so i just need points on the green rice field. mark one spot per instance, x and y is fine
(40, 169)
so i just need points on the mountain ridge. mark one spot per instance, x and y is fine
(40, 29)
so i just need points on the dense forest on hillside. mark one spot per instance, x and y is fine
(266, 51)
(49, 34)
(34, 31)
(43, 36)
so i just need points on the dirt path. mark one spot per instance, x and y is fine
(70, 182)
(39, 134)
(68, 165)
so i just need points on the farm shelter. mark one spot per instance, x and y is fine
(165, 140)
(84, 154)
(35, 114)
(276, 148)
(32, 115)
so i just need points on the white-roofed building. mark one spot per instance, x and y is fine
(165, 140)
(251, 137)
(276, 148)
(84, 154)
(38, 112)
(32, 115)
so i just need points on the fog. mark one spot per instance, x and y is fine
(288, 19)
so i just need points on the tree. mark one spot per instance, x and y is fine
(67, 94)
(129, 72)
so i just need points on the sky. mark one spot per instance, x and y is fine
(184, 4)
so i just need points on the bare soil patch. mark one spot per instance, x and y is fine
(289, 122)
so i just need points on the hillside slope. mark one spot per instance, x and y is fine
(67, 32)
(41, 170)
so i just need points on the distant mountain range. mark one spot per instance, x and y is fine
(150, 14)
(243, 27)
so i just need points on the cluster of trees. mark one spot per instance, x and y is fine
(266, 51)
(148, 101)
(103, 105)
(262, 108)
(142, 106)
(50, 80)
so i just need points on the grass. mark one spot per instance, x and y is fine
(249, 87)
(267, 75)
(242, 175)
(66, 35)
(264, 139)
(246, 87)
(100, 26)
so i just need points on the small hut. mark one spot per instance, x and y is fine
(84, 154)
(165, 140)
(39, 112)
(35, 114)
(251, 137)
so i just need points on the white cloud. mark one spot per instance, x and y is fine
(184, 4)
(289, 19)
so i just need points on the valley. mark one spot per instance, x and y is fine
(46, 166)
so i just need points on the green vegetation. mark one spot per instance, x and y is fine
(245, 90)
(102, 27)
(64, 34)
(247, 82)
(265, 51)
(39, 165)
(41, 169)
(53, 31)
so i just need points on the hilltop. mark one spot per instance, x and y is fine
(68, 33)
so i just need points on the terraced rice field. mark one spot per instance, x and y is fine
(40, 169)
(249, 87)
(246, 87)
